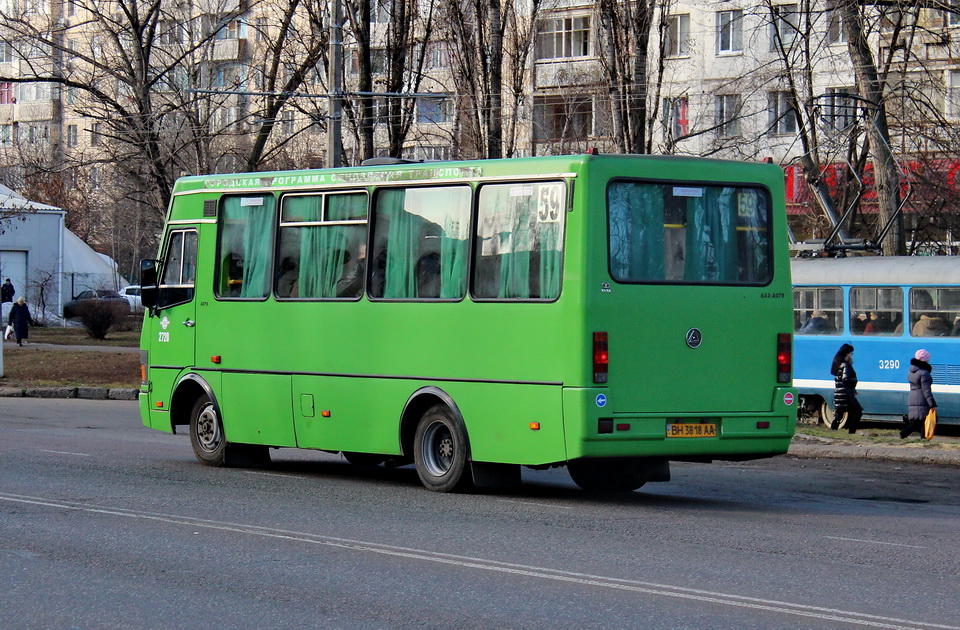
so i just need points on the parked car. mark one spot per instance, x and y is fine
(116, 301)
(132, 293)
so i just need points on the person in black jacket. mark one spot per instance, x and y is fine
(6, 291)
(847, 409)
(20, 320)
(921, 400)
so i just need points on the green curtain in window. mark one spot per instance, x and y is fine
(516, 245)
(400, 280)
(711, 252)
(322, 248)
(346, 207)
(254, 223)
(636, 231)
(453, 259)
(551, 258)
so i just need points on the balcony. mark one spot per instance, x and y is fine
(229, 49)
(34, 110)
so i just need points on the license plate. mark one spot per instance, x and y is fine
(689, 430)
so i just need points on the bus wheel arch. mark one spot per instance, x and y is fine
(434, 434)
(188, 390)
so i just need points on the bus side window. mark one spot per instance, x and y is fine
(244, 246)
(519, 251)
(420, 243)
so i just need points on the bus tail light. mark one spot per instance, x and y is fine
(784, 357)
(601, 357)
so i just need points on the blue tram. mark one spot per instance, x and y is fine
(887, 308)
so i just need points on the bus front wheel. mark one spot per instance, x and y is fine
(440, 451)
(206, 433)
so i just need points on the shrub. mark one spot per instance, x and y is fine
(98, 317)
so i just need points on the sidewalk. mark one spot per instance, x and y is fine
(940, 450)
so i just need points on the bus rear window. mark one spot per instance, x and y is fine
(681, 233)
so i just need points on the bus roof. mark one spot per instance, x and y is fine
(877, 270)
(567, 165)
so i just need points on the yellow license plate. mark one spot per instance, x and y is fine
(689, 430)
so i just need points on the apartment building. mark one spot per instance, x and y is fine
(725, 79)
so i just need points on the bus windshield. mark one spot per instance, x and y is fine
(689, 234)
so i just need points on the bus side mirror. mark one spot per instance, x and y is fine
(148, 283)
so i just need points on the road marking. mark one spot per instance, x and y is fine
(266, 474)
(549, 505)
(557, 575)
(65, 453)
(876, 542)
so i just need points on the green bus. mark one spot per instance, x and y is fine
(607, 313)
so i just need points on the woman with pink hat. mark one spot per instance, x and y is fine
(921, 399)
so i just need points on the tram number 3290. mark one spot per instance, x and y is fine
(889, 364)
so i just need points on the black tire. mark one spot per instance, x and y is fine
(206, 433)
(607, 475)
(440, 451)
(364, 460)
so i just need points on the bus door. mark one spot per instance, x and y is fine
(172, 338)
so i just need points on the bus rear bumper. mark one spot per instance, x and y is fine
(596, 432)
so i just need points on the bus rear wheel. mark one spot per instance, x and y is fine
(607, 475)
(440, 451)
(206, 433)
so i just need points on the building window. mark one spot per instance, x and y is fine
(71, 135)
(435, 56)
(71, 8)
(562, 117)
(678, 36)
(728, 115)
(729, 31)
(379, 11)
(6, 135)
(6, 52)
(434, 110)
(7, 94)
(95, 137)
(953, 94)
(835, 31)
(953, 14)
(232, 29)
(784, 26)
(783, 115)
(430, 153)
(839, 107)
(676, 116)
(563, 37)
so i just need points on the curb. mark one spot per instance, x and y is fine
(887, 453)
(88, 393)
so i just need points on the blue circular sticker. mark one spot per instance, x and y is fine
(601, 400)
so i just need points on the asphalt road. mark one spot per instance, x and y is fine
(106, 524)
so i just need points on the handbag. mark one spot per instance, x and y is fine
(930, 424)
(8, 333)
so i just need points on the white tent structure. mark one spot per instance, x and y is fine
(46, 262)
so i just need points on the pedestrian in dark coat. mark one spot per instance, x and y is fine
(847, 409)
(20, 320)
(921, 400)
(6, 291)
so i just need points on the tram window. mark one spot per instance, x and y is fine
(818, 311)
(876, 310)
(934, 311)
